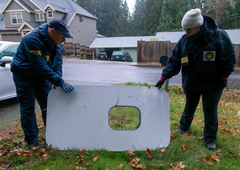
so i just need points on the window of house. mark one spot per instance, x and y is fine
(50, 14)
(39, 17)
(16, 18)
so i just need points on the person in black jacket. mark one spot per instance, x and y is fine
(206, 57)
(36, 65)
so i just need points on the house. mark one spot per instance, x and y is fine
(111, 44)
(129, 44)
(18, 17)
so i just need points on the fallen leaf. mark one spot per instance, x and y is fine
(162, 150)
(95, 159)
(208, 162)
(2, 162)
(160, 165)
(215, 158)
(183, 147)
(136, 166)
(120, 166)
(149, 153)
(137, 160)
(190, 133)
(192, 147)
(236, 127)
(131, 160)
(180, 167)
(3, 151)
(198, 108)
(130, 153)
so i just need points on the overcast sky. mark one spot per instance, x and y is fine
(131, 4)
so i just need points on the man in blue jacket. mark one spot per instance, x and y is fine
(206, 57)
(36, 65)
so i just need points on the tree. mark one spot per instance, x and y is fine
(172, 14)
(86, 4)
(216, 9)
(123, 21)
(137, 17)
(151, 16)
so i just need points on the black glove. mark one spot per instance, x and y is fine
(159, 84)
(222, 84)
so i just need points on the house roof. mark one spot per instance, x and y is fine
(68, 7)
(175, 36)
(116, 42)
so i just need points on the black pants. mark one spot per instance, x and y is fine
(28, 88)
(210, 102)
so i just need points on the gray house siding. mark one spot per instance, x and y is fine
(12, 37)
(83, 32)
(58, 15)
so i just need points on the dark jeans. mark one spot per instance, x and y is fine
(210, 102)
(28, 88)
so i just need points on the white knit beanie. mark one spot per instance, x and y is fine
(192, 18)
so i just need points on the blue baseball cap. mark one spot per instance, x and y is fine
(60, 25)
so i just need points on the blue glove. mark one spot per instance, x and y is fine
(67, 87)
(54, 86)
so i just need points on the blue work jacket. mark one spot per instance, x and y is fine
(204, 58)
(37, 56)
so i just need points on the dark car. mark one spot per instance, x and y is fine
(121, 56)
(102, 55)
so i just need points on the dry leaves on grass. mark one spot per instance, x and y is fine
(212, 157)
(149, 153)
(130, 153)
(179, 166)
(161, 151)
(192, 147)
(183, 147)
(95, 159)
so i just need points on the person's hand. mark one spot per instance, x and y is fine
(67, 87)
(159, 84)
(54, 86)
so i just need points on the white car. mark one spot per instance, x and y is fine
(7, 86)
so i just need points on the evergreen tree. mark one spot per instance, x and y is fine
(172, 13)
(123, 21)
(151, 16)
(137, 17)
(86, 4)
(107, 12)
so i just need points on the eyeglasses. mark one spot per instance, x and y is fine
(188, 30)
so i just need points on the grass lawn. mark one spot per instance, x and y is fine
(187, 151)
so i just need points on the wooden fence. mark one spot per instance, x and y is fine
(151, 51)
(237, 52)
(78, 51)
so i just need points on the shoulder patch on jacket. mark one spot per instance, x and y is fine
(209, 55)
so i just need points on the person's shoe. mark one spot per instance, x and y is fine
(36, 144)
(212, 146)
(180, 131)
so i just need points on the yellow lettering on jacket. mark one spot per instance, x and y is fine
(38, 52)
(46, 57)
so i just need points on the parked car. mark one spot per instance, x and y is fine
(103, 55)
(7, 87)
(121, 56)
